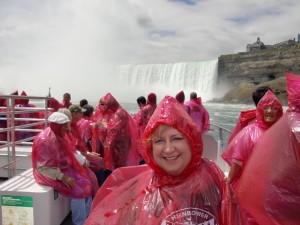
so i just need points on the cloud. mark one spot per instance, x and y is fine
(73, 45)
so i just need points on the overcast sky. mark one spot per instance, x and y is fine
(71, 45)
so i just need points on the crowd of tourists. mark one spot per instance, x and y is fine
(148, 168)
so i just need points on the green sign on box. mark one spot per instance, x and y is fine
(12, 200)
(17, 210)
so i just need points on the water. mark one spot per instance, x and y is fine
(224, 115)
(221, 114)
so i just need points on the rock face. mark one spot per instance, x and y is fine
(258, 67)
(242, 93)
(248, 70)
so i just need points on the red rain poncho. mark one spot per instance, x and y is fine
(3, 123)
(50, 150)
(148, 195)
(99, 132)
(273, 171)
(54, 104)
(121, 146)
(143, 116)
(246, 117)
(64, 104)
(241, 147)
(199, 114)
(33, 115)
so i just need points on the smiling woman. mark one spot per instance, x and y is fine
(177, 186)
(171, 150)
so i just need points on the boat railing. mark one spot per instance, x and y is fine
(14, 120)
(221, 135)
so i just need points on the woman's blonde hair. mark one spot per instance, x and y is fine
(158, 132)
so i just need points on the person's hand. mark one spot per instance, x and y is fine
(86, 164)
(103, 123)
(68, 181)
(93, 155)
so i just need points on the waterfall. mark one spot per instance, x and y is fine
(170, 78)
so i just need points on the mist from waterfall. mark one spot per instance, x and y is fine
(170, 78)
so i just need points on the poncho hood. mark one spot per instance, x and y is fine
(23, 101)
(180, 97)
(170, 112)
(151, 100)
(111, 102)
(54, 104)
(269, 99)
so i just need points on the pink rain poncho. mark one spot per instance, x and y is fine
(50, 150)
(86, 126)
(121, 145)
(246, 117)
(270, 185)
(99, 132)
(241, 147)
(143, 116)
(147, 195)
(199, 114)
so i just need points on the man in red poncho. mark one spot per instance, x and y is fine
(66, 102)
(239, 150)
(198, 112)
(176, 187)
(55, 165)
(273, 171)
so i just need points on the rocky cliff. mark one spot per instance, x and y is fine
(245, 71)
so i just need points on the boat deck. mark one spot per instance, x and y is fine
(68, 220)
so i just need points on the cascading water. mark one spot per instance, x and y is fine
(170, 78)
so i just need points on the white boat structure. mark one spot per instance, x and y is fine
(23, 201)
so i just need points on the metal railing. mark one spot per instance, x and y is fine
(221, 135)
(19, 127)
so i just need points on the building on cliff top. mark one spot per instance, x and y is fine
(259, 46)
(256, 46)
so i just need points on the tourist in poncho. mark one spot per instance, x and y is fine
(55, 165)
(100, 119)
(247, 117)
(176, 187)
(121, 145)
(273, 171)
(66, 102)
(143, 116)
(198, 112)
(239, 150)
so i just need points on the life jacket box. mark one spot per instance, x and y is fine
(24, 201)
